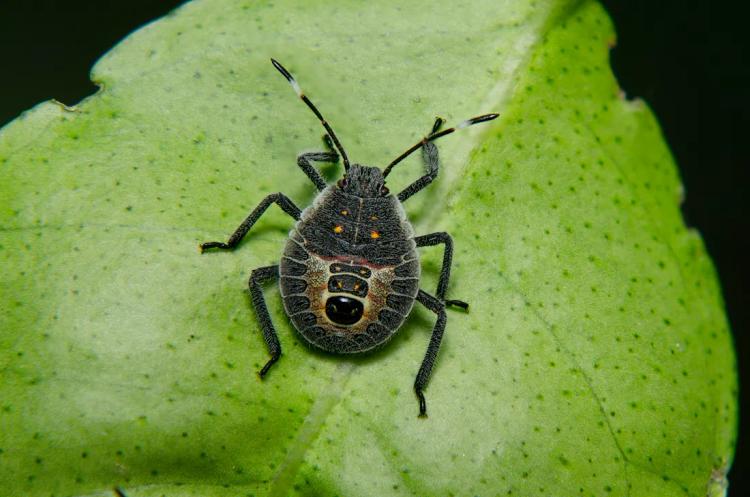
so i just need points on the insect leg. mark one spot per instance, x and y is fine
(435, 135)
(445, 271)
(423, 376)
(257, 278)
(279, 198)
(431, 162)
(303, 161)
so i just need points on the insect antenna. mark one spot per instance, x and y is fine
(435, 135)
(307, 101)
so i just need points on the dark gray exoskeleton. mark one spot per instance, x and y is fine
(349, 273)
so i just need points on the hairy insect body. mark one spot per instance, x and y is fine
(349, 273)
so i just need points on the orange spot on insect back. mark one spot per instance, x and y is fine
(338, 229)
(374, 234)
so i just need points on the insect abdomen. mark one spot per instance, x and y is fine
(349, 272)
(295, 283)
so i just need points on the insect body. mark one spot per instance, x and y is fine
(349, 273)
(350, 270)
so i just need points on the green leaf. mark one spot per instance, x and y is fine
(596, 359)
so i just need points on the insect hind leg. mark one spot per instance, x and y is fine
(257, 278)
(423, 376)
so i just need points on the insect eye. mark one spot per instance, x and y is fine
(342, 183)
(384, 191)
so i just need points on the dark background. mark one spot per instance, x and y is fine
(686, 58)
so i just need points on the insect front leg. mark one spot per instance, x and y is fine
(279, 198)
(445, 271)
(431, 162)
(304, 162)
(423, 376)
(257, 278)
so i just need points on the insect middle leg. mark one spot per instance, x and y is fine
(279, 198)
(304, 162)
(257, 278)
(423, 376)
(445, 271)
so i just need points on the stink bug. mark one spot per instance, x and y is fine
(349, 273)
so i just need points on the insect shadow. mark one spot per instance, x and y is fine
(349, 273)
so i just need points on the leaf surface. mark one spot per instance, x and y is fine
(595, 360)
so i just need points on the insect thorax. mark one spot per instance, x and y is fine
(349, 271)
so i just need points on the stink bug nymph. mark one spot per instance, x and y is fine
(349, 273)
